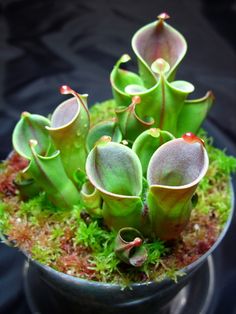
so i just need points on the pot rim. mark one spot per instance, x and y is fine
(165, 281)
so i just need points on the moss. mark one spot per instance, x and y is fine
(155, 251)
(214, 190)
(4, 217)
(92, 235)
(105, 262)
(57, 233)
(45, 254)
(100, 113)
(81, 246)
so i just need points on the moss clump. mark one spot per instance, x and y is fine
(74, 243)
(214, 190)
(4, 217)
(100, 113)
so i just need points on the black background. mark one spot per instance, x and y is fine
(44, 44)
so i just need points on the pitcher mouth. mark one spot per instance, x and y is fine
(198, 176)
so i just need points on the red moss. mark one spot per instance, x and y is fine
(66, 243)
(21, 234)
(14, 164)
(76, 262)
(199, 236)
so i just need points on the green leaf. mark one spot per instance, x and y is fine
(119, 181)
(194, 113)
(115, 168)
(50, 175)
(120, 79)
(164, 103)
(160, 66)
(158, 40)
(159, 49)
(26, 185)
(105, 128)
(173, 174)
(69, 129)
(130, 123)
(91, 199)
(31, 127)
(147, 143)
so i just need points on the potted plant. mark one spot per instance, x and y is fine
(116, 207)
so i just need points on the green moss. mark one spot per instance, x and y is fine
(223, 164)
(102, 111)
(105, 262)
(214, 190)
(101, 242)
(37, 206)
(4, 217)
(44, 254)
(155, 251)
(92, 235)
(174, 274)
(57, 233)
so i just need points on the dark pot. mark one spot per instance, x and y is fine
(49, 291)
(194, 298)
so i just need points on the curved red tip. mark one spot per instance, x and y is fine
(136, 100)
(65, 90)
(137, 242)
(191, 138)
(163, 16)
